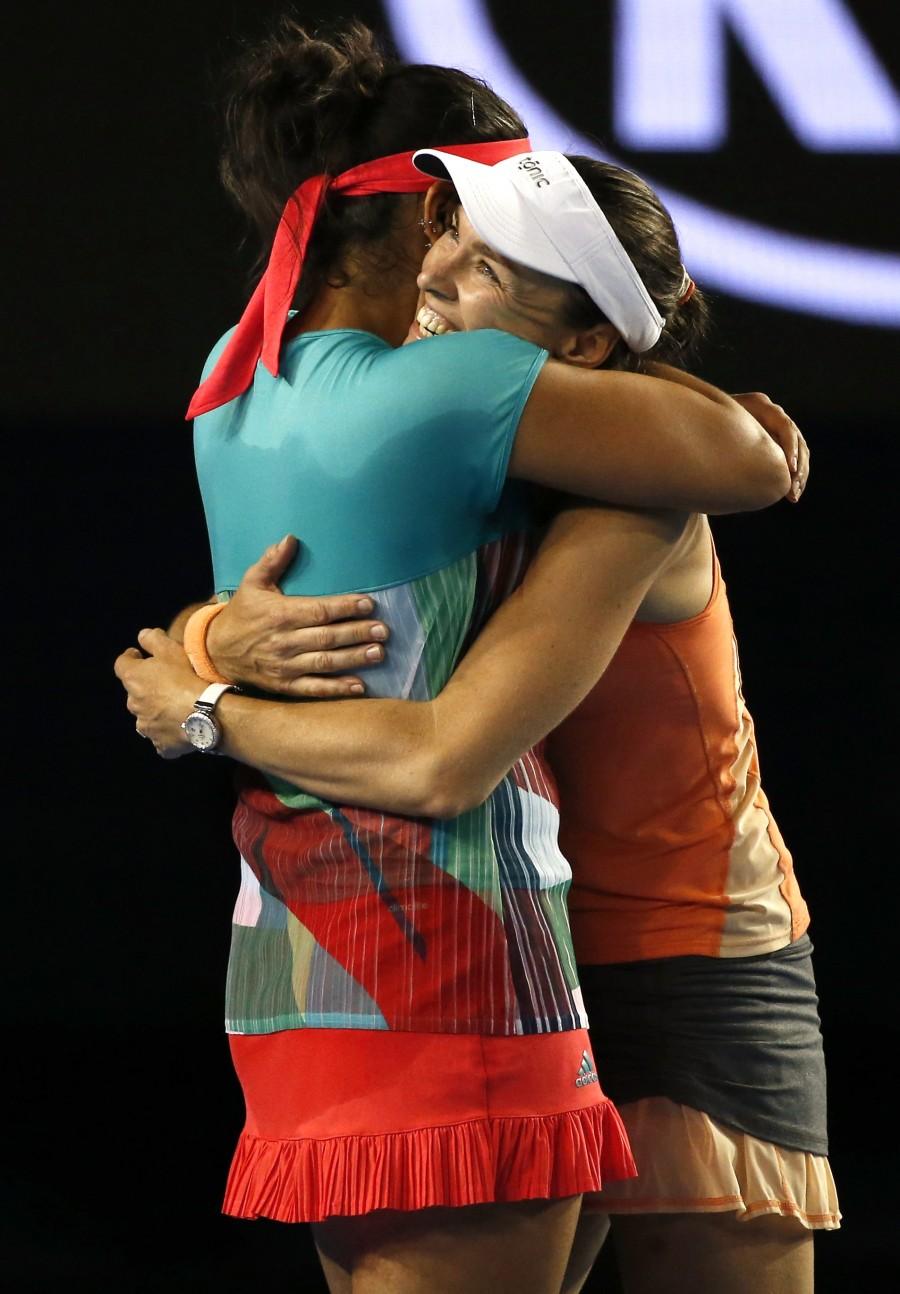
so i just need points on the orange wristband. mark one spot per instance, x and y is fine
(195, 632)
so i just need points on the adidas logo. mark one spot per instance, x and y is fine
(586, 1072)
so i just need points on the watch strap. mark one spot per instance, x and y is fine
(195, 631)
(209, 697)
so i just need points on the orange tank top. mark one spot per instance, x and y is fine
(673, 847)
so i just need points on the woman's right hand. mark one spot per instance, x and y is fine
(294, 646)
(787, 436)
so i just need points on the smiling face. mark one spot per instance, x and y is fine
(467, 285)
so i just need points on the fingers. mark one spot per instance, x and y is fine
(156, 642)
(333, 637)
(342, 648)
(297, 613)
(284, 681)
(312, 675)
(334, 662)
(324, 688)
(786, 434)
(801, 476)
(123, 663)
(309, 613)
(270, 568)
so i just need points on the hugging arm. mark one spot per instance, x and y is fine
(533, 663)
(176, 628)
(535, 660)
(291, 645)
(661, 440)
(664, 440)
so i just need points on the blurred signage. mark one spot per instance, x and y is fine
(671, 91)
(670, 94)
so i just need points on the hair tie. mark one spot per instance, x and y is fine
(688, 288)
(258, 334)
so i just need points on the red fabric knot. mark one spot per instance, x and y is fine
(259, 333)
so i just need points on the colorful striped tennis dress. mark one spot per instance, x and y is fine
(390, 467)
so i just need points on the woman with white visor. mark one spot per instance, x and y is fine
(684, 896)
(688, 924)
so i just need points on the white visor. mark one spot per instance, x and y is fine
(535, 208)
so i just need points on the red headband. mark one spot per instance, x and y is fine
(258, 334)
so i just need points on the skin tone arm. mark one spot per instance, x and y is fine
(176, 628)
(671, 425)
(778, 426)
(272, 642)
(549, 642)
(300, 646)
(426, 760)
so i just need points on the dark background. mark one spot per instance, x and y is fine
(121, 270)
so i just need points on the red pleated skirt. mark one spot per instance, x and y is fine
(341, 1122)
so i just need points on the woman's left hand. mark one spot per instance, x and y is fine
(162, 688)
(786, 434)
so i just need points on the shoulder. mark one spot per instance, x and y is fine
(470, 353)
(213, 356)
(477, 380)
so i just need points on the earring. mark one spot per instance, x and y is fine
(422, 223)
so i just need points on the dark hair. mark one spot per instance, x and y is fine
(644, 228)
(302, 104)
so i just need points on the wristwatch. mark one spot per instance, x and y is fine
(200, 726)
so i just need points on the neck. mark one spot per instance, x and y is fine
(357, 306)
(375, 300)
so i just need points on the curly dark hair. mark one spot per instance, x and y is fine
(300, 104)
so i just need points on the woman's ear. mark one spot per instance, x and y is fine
(588, 348)
(440, 203)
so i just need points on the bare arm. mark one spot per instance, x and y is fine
(263, 637)
(176, 628)
(536, 659)
(777, 423)
(662, 440)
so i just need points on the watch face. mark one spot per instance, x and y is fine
(201, 731)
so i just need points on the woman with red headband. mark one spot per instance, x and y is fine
(403, 1009)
